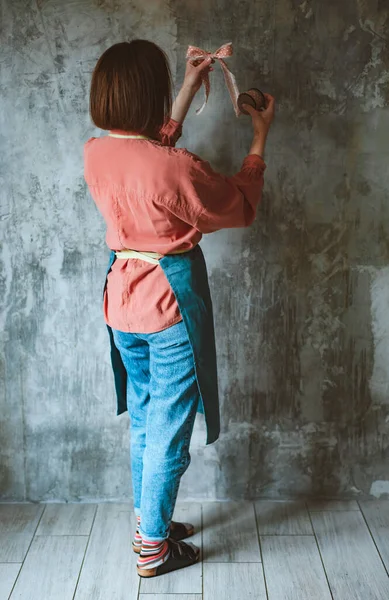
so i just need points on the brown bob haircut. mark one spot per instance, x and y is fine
(131, 88)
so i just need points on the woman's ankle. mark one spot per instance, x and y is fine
(153, 553)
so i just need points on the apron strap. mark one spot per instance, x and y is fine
(151, 257)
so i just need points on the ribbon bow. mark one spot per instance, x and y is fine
(193, 53)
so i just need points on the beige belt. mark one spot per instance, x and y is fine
(151, 257)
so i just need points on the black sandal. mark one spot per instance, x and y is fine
(181, 555)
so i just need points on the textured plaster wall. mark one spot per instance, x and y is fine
(301, 298)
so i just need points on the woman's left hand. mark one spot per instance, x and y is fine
(194, 71)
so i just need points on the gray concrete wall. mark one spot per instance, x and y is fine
(301, 298)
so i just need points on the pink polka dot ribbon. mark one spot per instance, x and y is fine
(193, 54)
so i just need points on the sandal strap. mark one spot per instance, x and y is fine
(181, 550)
(181, 529)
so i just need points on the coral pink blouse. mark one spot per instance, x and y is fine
(155, 197)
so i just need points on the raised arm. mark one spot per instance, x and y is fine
(172, 130)
(191, 85)
(209, 200)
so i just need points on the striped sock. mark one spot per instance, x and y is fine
(137, 542)
(153, 554)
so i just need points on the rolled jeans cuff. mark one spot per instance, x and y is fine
(150, 538)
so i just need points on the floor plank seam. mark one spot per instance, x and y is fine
(28, 549)
(318, 549)
(40, 535)
(83, 558)
(202, 551)
(372, 537)
(260, 552)
(287, 534)
(232, 562)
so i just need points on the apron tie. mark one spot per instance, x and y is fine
(150, 257)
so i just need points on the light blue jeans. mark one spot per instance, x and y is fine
(162, 399)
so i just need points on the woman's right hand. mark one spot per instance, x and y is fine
(262, 119)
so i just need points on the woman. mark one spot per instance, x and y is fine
(157, 201)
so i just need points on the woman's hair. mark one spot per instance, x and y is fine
(131, 88)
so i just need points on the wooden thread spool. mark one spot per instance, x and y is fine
(254, 98)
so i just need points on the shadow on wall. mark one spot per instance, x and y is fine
(295, 361)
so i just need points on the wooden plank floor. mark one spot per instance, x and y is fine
(266, 550)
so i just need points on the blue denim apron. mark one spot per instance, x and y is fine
(187, 276)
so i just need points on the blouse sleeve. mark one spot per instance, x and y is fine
(170, 132)
(210, 201)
